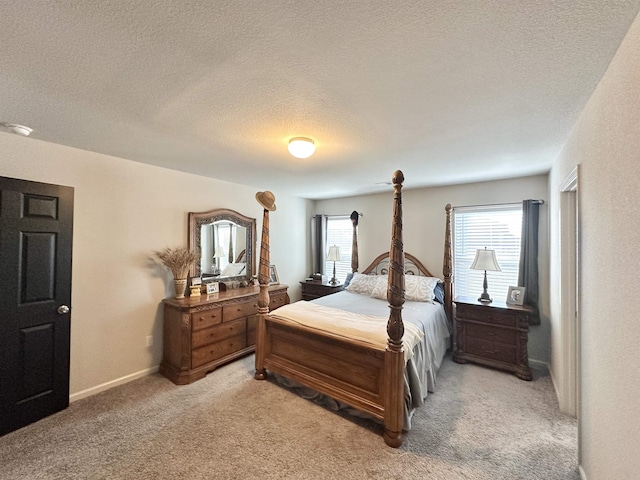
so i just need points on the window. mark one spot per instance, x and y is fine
(339, 233)
(496, 227)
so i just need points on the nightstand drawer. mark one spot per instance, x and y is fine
(492, 350)
(493, 334)
(317, 289)
(489, 315)
(312, 289)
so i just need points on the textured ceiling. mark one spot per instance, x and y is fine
(449, 92)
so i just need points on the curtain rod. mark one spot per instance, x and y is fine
(337, 215)
(539, 202)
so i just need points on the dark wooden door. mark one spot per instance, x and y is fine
(36, 221)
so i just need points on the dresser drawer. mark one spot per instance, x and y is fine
(217, 332)
(277, 300)
(252, 325)
(206, 318)
(232, 312)
(218, 350)
(493, 334)
(488, 315)
(493, 350)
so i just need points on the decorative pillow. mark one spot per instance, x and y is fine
(233, 269)
(348, 279)
(438, 293)
(419, 289)
(380, 290)
(363, 284)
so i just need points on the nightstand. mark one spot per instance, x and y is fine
(316, 289)
(494, 335)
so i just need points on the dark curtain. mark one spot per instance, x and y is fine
(528, 271)
(318, 242)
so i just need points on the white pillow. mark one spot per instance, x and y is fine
(419, 289)
(416, 289)
(380, 290)
(363, 284)
(233, 269)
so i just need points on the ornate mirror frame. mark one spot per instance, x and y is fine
(198, 219)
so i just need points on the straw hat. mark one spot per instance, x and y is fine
(267, 200)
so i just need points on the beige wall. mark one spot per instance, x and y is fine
(605, 143)
(424, 225)
(123, 212)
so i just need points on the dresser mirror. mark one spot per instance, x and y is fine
(225, 241)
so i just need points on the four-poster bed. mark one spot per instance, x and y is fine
(353, 369)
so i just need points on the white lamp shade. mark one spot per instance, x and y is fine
(486, 260)
(301, 147)
(334, 254)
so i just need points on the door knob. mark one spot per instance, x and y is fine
(63, 309)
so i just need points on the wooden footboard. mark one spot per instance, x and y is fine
(350, 371)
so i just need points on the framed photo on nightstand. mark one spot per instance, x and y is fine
(515, 296)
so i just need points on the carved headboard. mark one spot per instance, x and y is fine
(412, 266)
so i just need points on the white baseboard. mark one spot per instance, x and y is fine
(555, 384)
(539, 364)
(113, 383)
(583, 476)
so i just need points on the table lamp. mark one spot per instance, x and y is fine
(334, 256)
(485, 260)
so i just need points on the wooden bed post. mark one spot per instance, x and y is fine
(267, 200)
(354, 242)
(447, 269)
(394, 355)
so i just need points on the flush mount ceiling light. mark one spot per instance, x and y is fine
(18, 129)
(301, 147)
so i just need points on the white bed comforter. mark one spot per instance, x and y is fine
(371, 329)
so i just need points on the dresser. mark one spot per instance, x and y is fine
(317, 288)
(494, 335)
(205, 332)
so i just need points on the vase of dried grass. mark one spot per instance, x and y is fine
(180, 285)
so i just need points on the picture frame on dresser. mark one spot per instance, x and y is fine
(273, 275)
(515, 296)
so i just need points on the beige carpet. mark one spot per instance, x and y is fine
(480, 424)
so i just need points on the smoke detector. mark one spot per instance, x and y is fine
(18, 129)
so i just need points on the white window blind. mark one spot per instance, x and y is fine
(339, 233)
(496, 227)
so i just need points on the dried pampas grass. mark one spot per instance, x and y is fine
(178, 260)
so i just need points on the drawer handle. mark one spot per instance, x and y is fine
(490, 334)
(489, 351)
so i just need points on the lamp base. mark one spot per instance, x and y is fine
(334, 280)
(485, 298)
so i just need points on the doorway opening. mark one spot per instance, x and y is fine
(569, 295)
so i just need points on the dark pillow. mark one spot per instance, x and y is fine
(348, 279)
(438, 293)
